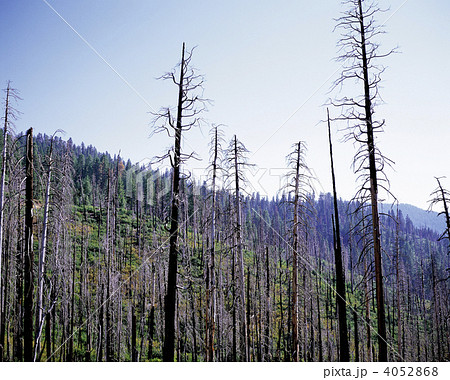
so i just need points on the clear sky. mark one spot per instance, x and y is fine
(268, 68)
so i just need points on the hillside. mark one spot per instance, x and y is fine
(107, 259)
(423, 218)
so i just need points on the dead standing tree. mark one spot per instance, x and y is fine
(236, 161)
(11, 114)
(28, 256)
(358, 52)
(299, 184)
(344, 354)
(216, 156)
(43, 252)
(189, 107)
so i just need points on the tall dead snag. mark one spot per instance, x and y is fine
(108, 254)
(344, 354)
(399, 289)
(237, 161)
(358, 52)
(190, 105)
(42, 253)
(28, 257)
(299, 185)
(10, 115)
(2, 197)
(216, 150)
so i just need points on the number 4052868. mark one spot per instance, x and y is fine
(411, 371)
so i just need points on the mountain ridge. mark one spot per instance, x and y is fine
(419, 217)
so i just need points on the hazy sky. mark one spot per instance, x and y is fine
(268, 68)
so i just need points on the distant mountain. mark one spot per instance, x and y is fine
(421, 218)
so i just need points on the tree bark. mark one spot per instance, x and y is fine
(29, 256)
(42, 253)
(240, 254)
(340, 275)
(294, 304)
(170, 299)
(381, 318)
(2, 202)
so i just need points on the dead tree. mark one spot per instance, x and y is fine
(28, 256)
(42, 253)
(399, 289)
(10, 115)
(344, 353)
(190, 105)
(299, 184)
(236, 159)
(216, 153)
(358, 52)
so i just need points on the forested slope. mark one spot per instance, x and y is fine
(105, 270)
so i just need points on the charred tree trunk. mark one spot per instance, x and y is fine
(233, 305)
(212, 278)
(355, 322)
(240, 255)
(398, 287)
(28, 257)
(42, 253)
(133, 336)
(170, 299)
(48, 340)
(294, 302)
(151, 317)
(381, 318)
(268, 348)
(358, 52)
(340, 275)
(18, 328)
(2, 202)
(108, 330)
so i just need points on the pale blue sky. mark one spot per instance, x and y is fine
(268, 67)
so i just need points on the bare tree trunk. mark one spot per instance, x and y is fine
(170, 299)
(294, 304)
(381, 319)
(340, 275)
(212, 279)
(367, 304)
(151, 318)
(268, 345)
(18, 328)
(240, 253)
(281, 324)
(357, 51)
(108, 274)
(133, 336)
(436, 310)
(398, 288)
(247, 314)
(42, 253)
(233, 300)
(28, 259)
(4, 352)
(319, 311)
(101, 328)
(2, 202)
(48, 340)
(72, 306)
(355, 322)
